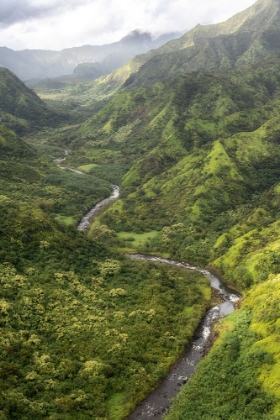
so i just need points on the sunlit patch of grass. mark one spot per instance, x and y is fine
(66, 220)
(87, 168)
(136, 240)
(116, 406)
(188, 310)
(205, 290)
(264, 302)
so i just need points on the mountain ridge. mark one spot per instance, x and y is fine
(21, 109)
(235, 42)
(246, 38)
(30, 64)
(193, 141)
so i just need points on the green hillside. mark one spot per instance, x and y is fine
(243, 39)
(21, 109)
(248, 37)
(191, 133)
(165, 133)
(13, 147)
(80, 334)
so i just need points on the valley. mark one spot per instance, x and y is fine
(185, 141)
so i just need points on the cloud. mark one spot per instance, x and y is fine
(14, 11)
(57, 24)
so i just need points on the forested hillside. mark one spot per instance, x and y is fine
(72, 311)
(191, 133)
(247, 38)
(21, 109)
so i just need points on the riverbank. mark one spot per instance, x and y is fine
(86, 221)
(158, 402)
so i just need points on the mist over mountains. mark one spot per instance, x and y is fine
(248, 37)
(30, 64)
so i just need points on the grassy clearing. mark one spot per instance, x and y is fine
(136, 240)
(116, 406)
(87, 168)
(66, 220)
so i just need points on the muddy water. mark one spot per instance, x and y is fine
(158, 402)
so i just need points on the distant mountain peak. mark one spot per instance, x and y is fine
(137, 36)
(39, 64)
(248, 37)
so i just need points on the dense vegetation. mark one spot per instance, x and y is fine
(240, 377)
(192, 165)
(89, 342)
(27, 177)
(86, 332)
(21, 109)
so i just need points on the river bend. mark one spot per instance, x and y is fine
(157, 403)
(85, 223)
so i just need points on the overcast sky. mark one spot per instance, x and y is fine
(58, 24)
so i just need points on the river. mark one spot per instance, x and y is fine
(158, 402)
(86, 221)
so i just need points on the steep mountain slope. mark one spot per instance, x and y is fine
(28, 64)
(199, 148)
(243, 39)
(21, 109)
(18, 161)
(12, 147)
(204, 157)
(197, 108)
(258, 18)
(246, 38)
(197, 155)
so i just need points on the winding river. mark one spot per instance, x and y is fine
(86, 221)
(157, 403)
